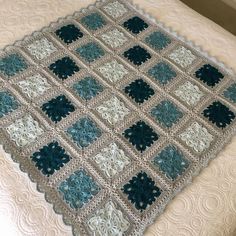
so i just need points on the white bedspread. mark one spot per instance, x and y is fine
(205, 208)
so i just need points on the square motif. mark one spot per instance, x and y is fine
(93, 21)
(171, 162)
(34, 86)
(209, 75)
(115, 9)
(139, 91)
(8, 103)
(78, 189)
(84, 132)
(111, 160)
(141, 191)
(230, 93)
(50, 158)
(64, 68)
(141, 135)
(12, 64)
(137, 55)
(114, 38)
(90, 52)
(69, 33)
(135, 25)
(182, 56)
(189, 93)
(107, 221)
(162, 72)
(167, 113)
(113, 110)
(58, 108)
(197, 137)
(219, 114)
(24, 131)
(157, 40)
(87, 88)
(113, 71)
(41, 48)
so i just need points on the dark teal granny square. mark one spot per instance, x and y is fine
(139, 91)
(219, 114)
(135, 25)
(64, 67)
(69, 33)
(58, 108)
(209, 75)
(141, 191)
(137, 55)
(141, 135)
(50, 158)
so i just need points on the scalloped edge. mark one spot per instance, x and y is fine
(180, 37)
(175, 34)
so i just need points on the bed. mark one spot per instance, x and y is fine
(207, 207)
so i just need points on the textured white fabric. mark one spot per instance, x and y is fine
(189, 93)
(111, 160)
(113, 71)
(113, 110)
(41, 48)
(182, 56)
(114, 38)
(197, 137)
(108, 221)
(34, 85)
(24, 130)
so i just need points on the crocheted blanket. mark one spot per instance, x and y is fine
(112, 114)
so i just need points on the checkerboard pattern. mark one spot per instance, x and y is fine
(112, 115)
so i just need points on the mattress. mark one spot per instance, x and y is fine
(207, 207)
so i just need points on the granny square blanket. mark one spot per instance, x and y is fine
(112, 114)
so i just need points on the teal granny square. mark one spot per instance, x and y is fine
(93, 21)
(167, 113)
(171, 161)
(162, 72)
(90, 51)
(84, 132)
(87, 88)
(78, 189)
(230, 93)
(8, 103)
(12, 64)
(158, 40)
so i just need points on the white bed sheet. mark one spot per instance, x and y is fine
(205, 208)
